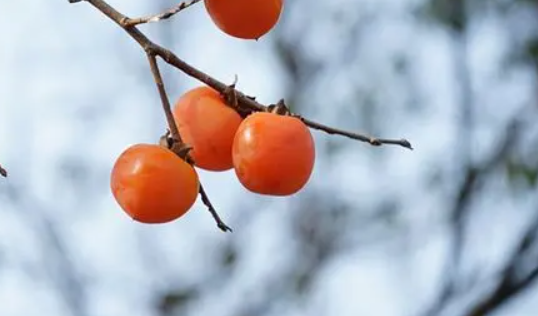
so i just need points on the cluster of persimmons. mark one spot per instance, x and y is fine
(271, 151)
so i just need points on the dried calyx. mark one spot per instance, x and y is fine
(180, 149)
(280, 108)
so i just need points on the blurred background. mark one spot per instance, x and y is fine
(447, 229)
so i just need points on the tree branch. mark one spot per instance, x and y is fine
(164, 98)
(511, 283)
(363, 138)
(127, 22)
(244, 101)
(209, 205)
(502, 294)
(3, 172)
(473, 179)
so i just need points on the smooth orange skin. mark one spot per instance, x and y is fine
(246, 19)
(208, 125)
(153, 185)
(273, 154)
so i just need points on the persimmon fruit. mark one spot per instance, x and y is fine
(152, 184)
(208, 125)
(245, 19)
(273, 154)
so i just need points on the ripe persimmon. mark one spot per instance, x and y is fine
(246, 19)
(208, 125)
(152, 184)
(273, 154)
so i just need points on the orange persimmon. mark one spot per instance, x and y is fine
(246, 19)
(208, 125)
(153, 185)
(273, 154)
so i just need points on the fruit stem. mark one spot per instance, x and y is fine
(176, 137)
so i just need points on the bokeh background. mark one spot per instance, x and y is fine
(447, 229)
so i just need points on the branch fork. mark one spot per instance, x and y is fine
(242, 103)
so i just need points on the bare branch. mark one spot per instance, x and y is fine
(207, 202)
(3, 172)
(363, 138)
(503, 293)
(251, 104)
(246, 102)
(164, 98)
(128, 22)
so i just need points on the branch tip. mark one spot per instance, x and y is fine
(220, 223)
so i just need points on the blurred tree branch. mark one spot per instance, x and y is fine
(474, 177)
(512, 281)
(3, 171)
(56, 260)
(454, 14)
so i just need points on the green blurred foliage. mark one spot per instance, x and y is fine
(521, 173)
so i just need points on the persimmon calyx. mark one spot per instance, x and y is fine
(180, 149)
(279, 108)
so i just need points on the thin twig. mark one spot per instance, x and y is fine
(367, 139)
(164, 97)
(207, 203)
(128, 22)
(3, 172)
(246, 102)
